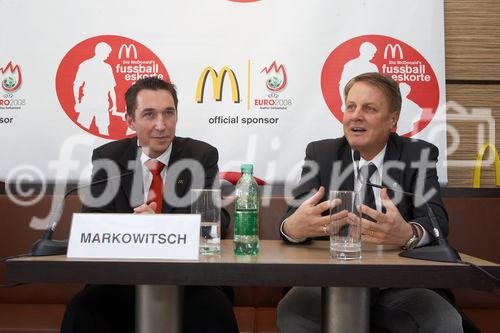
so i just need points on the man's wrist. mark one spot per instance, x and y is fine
(287, 236)
(286, 228)
(414, 237)
(419, 228)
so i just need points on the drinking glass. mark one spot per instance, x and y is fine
(345, 225)
(207, 203)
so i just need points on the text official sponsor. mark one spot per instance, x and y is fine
(275, 80)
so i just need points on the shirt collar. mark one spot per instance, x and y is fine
(378, 160)
(163, 158)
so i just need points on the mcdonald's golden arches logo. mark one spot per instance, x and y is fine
(128, 50)
(217, 83)
(476, 179)
(393, 48)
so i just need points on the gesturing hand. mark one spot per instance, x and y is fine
(307, 221)
(390, 229)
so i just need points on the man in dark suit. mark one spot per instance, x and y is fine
(373, 104)
(151, 173)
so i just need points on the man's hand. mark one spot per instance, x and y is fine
(145, 208)
(307, 220)
(390, 229)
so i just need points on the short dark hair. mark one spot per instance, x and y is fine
(149, 83)
(385, 83)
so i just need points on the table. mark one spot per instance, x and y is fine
(278, 264)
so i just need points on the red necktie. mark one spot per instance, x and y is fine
(155, 193)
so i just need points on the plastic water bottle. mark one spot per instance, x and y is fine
(246, 214)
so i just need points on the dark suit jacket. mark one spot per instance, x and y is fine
(333, 157)
(117, 164)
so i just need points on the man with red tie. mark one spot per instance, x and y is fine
(139, 181)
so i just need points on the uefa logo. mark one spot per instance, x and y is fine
(276, 77)
(11, 77)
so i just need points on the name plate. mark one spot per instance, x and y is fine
(135, 236)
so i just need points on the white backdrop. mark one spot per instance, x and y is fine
(312, 40)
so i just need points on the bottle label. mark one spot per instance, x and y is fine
(245, 223)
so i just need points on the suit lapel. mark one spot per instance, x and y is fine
(170, 185)
(132, 185)
(345, 156)
(391, 176)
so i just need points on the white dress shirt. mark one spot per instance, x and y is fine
(376, 179)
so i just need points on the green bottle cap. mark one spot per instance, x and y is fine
(247, 168)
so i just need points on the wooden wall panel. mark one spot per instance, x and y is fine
(472, 34)
(472, 41)
(472, 97)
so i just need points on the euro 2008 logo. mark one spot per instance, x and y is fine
(11, 77)
(93, 77)
(391, 57)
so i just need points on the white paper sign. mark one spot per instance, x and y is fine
(133, 236)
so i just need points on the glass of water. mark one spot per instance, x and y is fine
(345, 225)
(207, 203)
